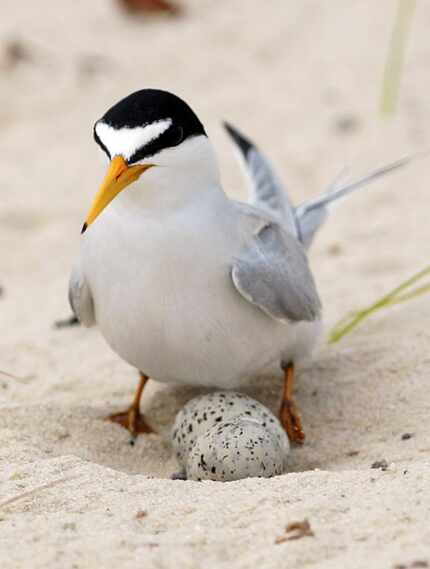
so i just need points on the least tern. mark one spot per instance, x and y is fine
(186, 284)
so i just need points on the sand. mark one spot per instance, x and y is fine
(303, 79)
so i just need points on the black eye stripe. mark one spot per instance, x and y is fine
(180, 132)
(173, 136)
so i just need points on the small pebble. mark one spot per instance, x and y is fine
(12, 53)
(67, 322)
(382, 464)
(150, 6)
(407, 436)
(346, 124)
(353, 453)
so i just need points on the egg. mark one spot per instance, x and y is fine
(227, 435)
(236, 449)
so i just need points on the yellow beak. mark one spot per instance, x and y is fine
(118, 177)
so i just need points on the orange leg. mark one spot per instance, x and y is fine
(132, 419)
(289, 414)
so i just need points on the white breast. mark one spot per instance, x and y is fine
(165, 302)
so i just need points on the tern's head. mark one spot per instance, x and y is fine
(154, 137)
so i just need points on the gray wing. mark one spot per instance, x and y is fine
(80, 298)
(272, 272)
(267, 192)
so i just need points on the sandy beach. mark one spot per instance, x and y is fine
(303, 79)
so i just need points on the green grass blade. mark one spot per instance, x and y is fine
(396, 55)
(395, 296)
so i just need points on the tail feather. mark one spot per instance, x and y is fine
(311, 215)
(350, 187)
(268, 193)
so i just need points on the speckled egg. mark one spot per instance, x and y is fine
(236, 449)
(233, 428)
(205, 411)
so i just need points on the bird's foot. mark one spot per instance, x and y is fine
(132, 420)
(291, 422)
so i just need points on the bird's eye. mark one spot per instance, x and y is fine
(177, 135)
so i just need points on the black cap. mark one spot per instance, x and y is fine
(149, 106)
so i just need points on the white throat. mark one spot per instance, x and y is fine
(181, 175)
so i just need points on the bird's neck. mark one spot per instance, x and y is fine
(169, 186)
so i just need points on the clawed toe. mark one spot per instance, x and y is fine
(131, 420)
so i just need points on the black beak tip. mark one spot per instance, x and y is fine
(84, 228)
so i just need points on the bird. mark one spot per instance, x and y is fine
(184, 283)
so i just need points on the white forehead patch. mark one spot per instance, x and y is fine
(125, 141)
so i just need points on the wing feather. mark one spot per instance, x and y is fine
(266, 190)
(272, 272)
(80, 298)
